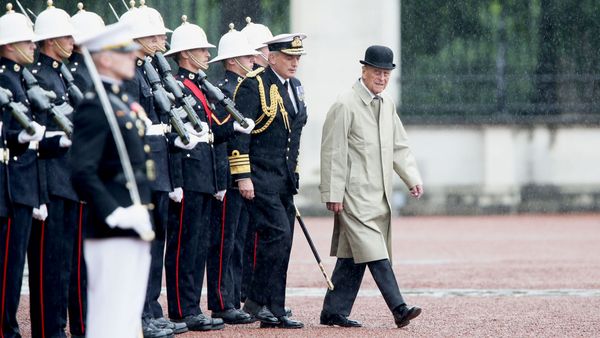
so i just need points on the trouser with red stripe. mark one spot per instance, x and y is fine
(160, 215)
(14, 238)
(185, 259)
(222, 264)
(273, 216)
(78, 282)
(49, 257)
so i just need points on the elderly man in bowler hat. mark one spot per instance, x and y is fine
(363, 143)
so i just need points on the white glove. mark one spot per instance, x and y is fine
(40, 213)
(176, 195)
(193, 131)
(193, 141)
(134, 217)
(24, 137)
(220, 195)
(65, 142)
(237, 127)
(147, 121)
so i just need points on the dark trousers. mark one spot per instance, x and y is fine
(187, 246)
(14, 239)
(221, 264)
(78, 282)
(238, 260)
(248, 257)
(347, 277)
(49, 257)
(160, 215)
(273, 216)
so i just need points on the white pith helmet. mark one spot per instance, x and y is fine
(86, 24)
(187, 37)
(140, 22)
(256, 33)
(53, 23)
(233, 44)
(156, 20)
(15, 27)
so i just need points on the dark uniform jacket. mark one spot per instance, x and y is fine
(80, 73)
(27, 182)
(270, 155)
(140, 90)
(227, 85)
(198, 166)
(47, 72)
(97, 170)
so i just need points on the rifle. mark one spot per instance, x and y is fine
(43, 100)
(17, 109)
(75, 94)
(174, 87)
(163, 103)
(215, 94)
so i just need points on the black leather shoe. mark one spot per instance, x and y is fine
(403, 314)
(288, 311)
(149, 330)
(284, 323)
(164, 323)
(339, 320)
(260, 312)
(234, 316)
(201, 323)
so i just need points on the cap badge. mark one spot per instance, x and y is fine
(296, 42)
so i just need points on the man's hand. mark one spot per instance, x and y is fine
(246, 188)
(336, 207)
(416, 191)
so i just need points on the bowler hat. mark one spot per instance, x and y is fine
(379, 57)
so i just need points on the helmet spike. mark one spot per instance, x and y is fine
(231, 26)
(50, 3)
(142, 3)
(132, 3)
(248, 20)
(9, 8)
(80, 6)
(184, 19)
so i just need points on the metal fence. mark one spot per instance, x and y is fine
(511, 98)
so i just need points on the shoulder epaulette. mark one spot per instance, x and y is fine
(255, 72)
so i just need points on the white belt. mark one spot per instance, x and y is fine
(34, 145)
(158, 129)
(206, 138)
(55, 133)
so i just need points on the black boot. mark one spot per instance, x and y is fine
(403, 314)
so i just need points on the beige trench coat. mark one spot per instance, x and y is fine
(358, 159)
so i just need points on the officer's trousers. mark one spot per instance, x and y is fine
(273, 216)
(223, 267)
(117, 276)
(49, 258)
(187, 245)
(160, 215)
(78, 282)
(347, 277)
(14, 239)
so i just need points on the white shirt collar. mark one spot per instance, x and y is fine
(367, 89)
(279, 76)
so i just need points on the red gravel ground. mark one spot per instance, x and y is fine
(446, 265)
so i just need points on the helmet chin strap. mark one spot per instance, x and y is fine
(28, 58)
(63, 52)
(242, 66)
(161, 48)
(146, 47)
(262, 55)
(198, 63)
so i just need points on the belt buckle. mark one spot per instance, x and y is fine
(211, 137)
